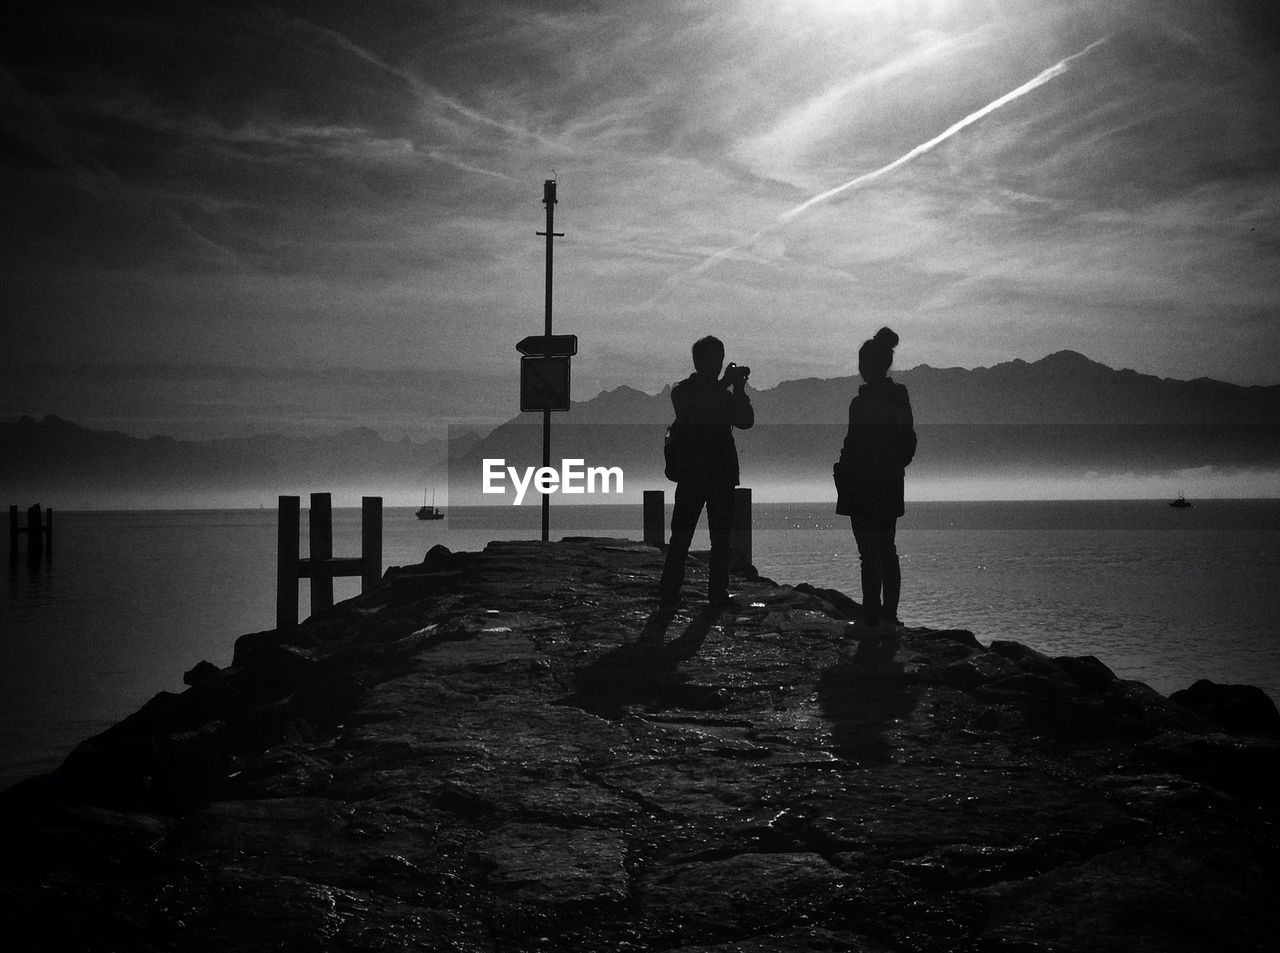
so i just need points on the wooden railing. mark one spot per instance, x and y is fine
(39, 531)
(320, 565)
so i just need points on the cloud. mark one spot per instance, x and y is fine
(784, 150)
(363, 185)
(762, 238)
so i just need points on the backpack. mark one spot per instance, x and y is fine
(843, 475)
(677, 452)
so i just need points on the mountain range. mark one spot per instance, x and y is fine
(1060, 426)
(59, 463)
(1063, 388)
(1017, 424)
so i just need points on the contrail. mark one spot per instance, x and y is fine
(1056, 70)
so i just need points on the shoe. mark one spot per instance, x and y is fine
(893, 622)
(720, 599)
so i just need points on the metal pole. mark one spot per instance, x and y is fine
(549, 200)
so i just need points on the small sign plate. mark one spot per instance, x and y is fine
(548, 345)
(544, 383)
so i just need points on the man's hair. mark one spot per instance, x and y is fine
(707, 352)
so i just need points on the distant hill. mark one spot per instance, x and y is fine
(1063, 388)
(1068, 388)
(57, 462)
(1064, 417)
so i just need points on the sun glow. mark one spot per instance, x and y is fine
(922, 14)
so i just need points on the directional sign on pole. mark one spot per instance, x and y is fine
(548, 345)
(544, 383)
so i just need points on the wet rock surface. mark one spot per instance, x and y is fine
(512, 750)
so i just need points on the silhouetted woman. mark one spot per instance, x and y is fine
(869, 476)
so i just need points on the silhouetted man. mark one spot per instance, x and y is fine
(707, 407)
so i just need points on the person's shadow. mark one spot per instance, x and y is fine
(645, 672)
(863, 696)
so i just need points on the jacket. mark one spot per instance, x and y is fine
(706, 412)
(878, 447)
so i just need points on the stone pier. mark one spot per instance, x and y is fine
(512, 750)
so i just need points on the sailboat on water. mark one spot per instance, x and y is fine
(1181, 503)
(431, 512)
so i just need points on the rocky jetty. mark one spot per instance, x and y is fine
(512, 750)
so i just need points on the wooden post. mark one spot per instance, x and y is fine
(370, 542)
(740, 541)
(319, 566)
(320, 538)
(287, 563)
(35, 531)
(655, 528)
(39, 531)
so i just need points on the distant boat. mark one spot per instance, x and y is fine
(1180, 503)
(431, 512)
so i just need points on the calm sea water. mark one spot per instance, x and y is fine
(131, 600)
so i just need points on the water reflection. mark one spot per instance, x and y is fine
(30, 585)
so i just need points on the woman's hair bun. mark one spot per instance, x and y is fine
(886, 337)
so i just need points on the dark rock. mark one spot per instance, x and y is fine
(971, 865)
(544, 864)
(199, 673)
(1145, 704)
(325, 701)
(1032, 662)
(253, 645)
(1070, 718)
(976, 670)
(1143, 897)
(437, 557)
(1248, 768)
(1000, 718)
(1087, 672)
(1026, 684)
(743, 892)
(1237, 708)
(286, 665)
(962, 637)
(843, 606)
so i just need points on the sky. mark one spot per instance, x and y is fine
(231, 218)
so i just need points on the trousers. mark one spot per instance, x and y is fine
(690, 499)
(881, 571)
